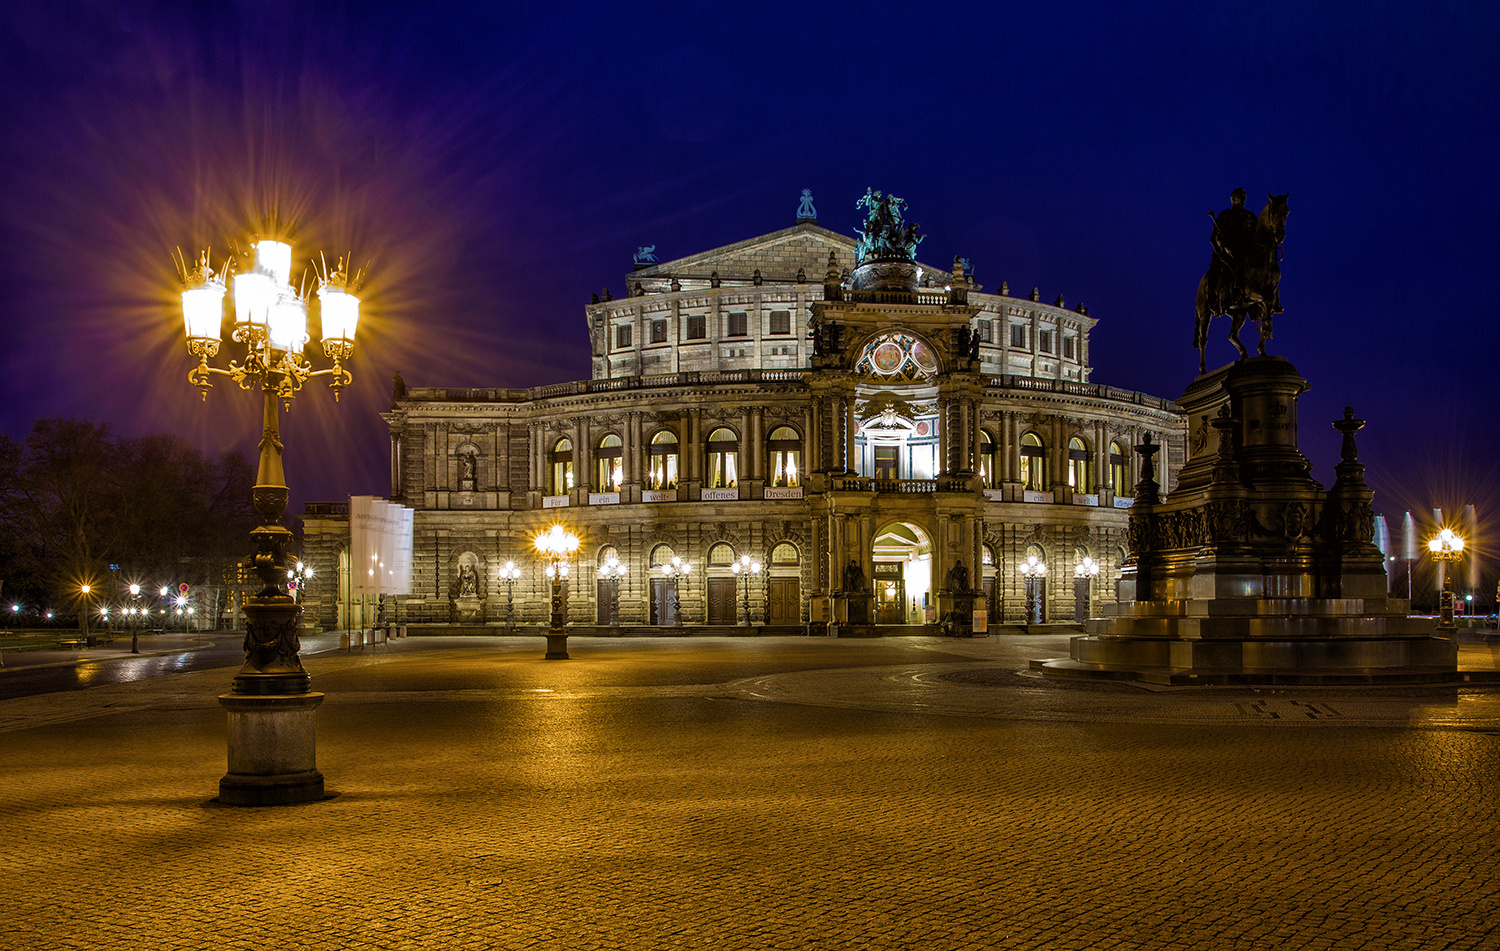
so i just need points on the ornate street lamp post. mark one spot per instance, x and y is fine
(83, 616)
(509, 573)
(297, 580)
(1034, 571)
(1084, 574)
(1446, 547)
(135, 618)
(675, 570)
(556, 546)
(745, 568)
(272, 727)
(612, 571)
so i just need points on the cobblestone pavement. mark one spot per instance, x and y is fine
(760, 793)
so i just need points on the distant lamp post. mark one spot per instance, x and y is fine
(1035, 573)
(673, 571)
(135, 619)
(1446, 547)
(1084, 574)
(611, 572)
(556, 545)
(508, 574)
(272, 725)
(83, 615)
(297, 579)
(745, 568)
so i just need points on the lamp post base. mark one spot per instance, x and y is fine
(557, 647)
(272, 750)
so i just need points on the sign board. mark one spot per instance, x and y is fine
(784, 492)
(182, 588)
(981, 621)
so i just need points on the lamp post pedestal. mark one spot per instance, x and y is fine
(272, 749)
(557, 637)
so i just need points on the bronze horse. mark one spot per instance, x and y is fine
(1258, 298)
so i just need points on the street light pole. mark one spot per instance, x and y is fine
(1034, 571)
(509, 573)
(1446, 548)
(612, 571)
(1083, 578)
(556, 545)
(271, 705)
(745, 568)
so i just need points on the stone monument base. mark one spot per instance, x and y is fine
(272, 750)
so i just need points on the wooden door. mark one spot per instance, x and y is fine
(721, 600)
(609, 589)
(784, 604)
(662, 612)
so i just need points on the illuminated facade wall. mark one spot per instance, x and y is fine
(897, 442)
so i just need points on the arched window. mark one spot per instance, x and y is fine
(784, 554)
(1078, 464)
(663, 453)
(989, 468)
(1117, 475)
(1033, 463)
(723, 459)
(661, 555)
(987, 554)
(721, 555)
(562, 467)
(785, 449)
(608, 552)
(609, 464)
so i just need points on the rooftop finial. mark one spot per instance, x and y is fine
(806, 211)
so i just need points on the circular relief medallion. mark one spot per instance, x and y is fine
(887, 358)
(924, 357)
(923, 429)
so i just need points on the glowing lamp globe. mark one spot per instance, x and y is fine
(288, 323)
(274, 259)
(203, 310)
(254, 296)
(340, 310)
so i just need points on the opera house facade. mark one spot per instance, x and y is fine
(879, 436)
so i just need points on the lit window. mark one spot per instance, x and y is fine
(663, 453)
(1033, 463)
(1067, 348)
(723, 459)
(721, 555)
(562, 467)
(1078, 465)
(609, 469)
(988, 469)
(1117, 469)
(785, 449)
(784, 554)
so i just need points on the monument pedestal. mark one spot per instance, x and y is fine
(272, 750)
(1250, 572)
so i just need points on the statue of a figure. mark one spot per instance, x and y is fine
(645, 255)
(1244, 275)
(398, 387)
(885, 236)
(468, 582)
(854, 578)
(958, 577)
(466, 467)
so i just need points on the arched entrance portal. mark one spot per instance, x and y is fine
(903, 575)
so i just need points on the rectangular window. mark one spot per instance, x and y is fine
(1068, 348)
(1018, 336)
(781, 321)
(697, 327)
(1044, 341)
(739, 325)
(658, 331)
(622, 336)
(987, 331)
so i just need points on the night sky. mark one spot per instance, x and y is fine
(495, 164)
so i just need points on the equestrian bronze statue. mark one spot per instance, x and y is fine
(1244, 274)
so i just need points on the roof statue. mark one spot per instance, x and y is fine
(645, 255)
(885, 236)
(1244, 275)
(806, 211)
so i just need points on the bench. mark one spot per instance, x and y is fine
(73, 643)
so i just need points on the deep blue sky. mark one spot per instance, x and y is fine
(496, 164)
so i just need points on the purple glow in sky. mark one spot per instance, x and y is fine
(495, 164)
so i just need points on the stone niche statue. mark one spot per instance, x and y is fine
(958, 577)
(854, 578)
(468, 582)
(466, 470)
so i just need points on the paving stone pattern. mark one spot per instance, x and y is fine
(766, 794)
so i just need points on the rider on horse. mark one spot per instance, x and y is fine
(1233, 238)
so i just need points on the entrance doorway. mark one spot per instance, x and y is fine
(903, 575)
(663, 611)
(784, 604)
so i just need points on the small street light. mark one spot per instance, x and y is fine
(1446, 547)
(674, 570)
(556, 546)
(612, 571)
(745, 568)
(1034, 571)
(135, 619)
(508, 574)
(1083, 575)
